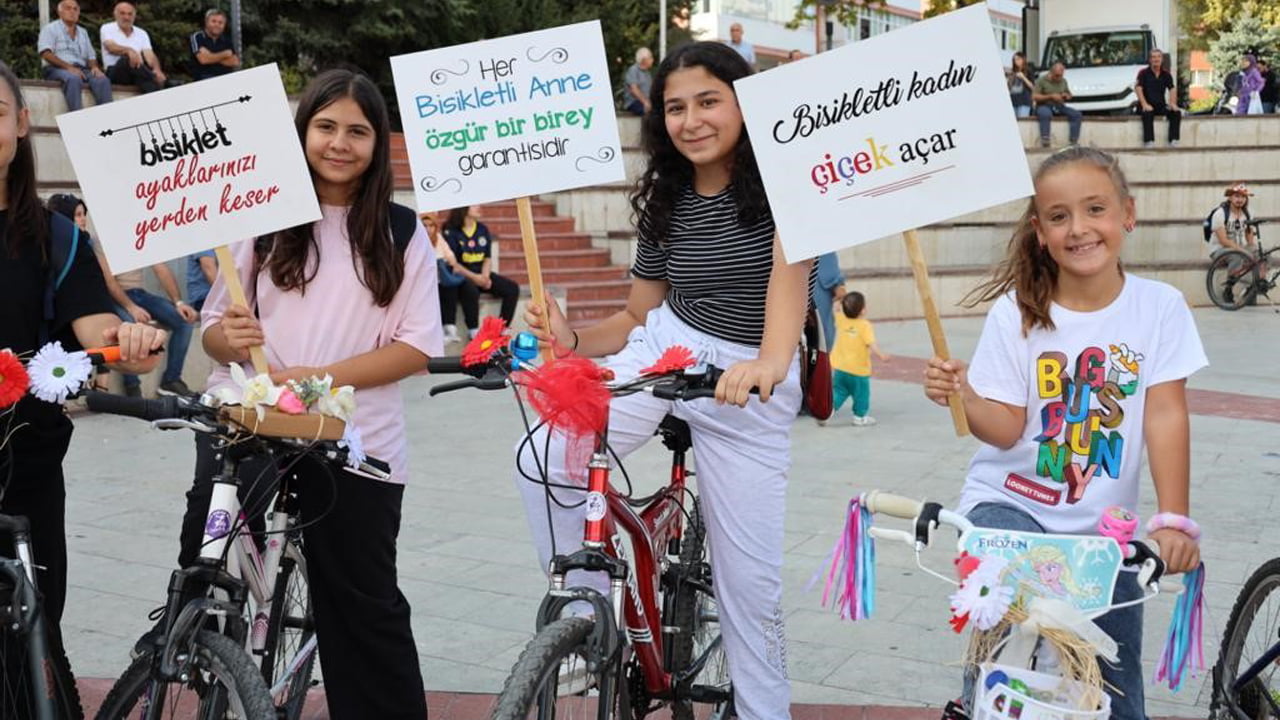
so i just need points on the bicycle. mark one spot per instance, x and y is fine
(41, 686)
(1236, 278)
(1027, 679)
(1246, 678)
(629, 658)
(236, 605)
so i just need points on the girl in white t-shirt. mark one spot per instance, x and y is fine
(1079, 366)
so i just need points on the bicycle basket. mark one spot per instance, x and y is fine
(1019, 694)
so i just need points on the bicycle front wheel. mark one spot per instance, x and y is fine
(1232, 280)
(550, 680)
(1250, 646)
(16, 692)
(289, 630)
(221, 682)
(697, 652)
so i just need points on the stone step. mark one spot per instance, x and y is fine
(596, 289)
(546, 241)
(558, 259)
(891, 292)
(1223, 131)
(588, 312)
(507, 209)
(510, 226)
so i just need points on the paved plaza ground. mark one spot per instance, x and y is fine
(471, 576)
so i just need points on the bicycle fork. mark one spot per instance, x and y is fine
(32, 618)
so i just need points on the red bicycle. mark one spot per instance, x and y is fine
(654, 640)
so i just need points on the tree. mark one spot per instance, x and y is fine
(844, 12)
(1202, 21)
(1249, 35)
(941, 7)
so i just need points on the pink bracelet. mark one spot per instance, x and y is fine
(1181, 523)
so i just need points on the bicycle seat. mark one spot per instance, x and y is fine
(675, 434)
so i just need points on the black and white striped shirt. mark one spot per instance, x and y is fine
(717, 268)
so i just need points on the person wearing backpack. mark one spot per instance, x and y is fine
(51, 289)
(1227, 228)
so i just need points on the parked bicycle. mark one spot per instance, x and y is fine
(1246, 679)
(654, 640)
(237, 637)
(1236, 278)
(35, 680)
(1041, 668)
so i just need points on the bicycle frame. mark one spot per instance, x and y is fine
(652, 531)
(26, 601)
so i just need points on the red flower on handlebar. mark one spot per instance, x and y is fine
(13, 379)
(676, 357)
(491, 338)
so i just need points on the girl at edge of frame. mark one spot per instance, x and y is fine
(84, 317)
(1065, 312)
(370, 295)
(702, 216)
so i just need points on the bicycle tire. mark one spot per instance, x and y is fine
(1262, 585)
(219, 661)
(66, 696)
(289, 627)
(530, 689)
(692, 615)
(1228, 289)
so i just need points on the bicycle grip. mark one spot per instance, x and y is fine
(161, 408)
(447, 365)
(878, 501)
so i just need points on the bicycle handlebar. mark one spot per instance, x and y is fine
(880, 502)
(164, 407)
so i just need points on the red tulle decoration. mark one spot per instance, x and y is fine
(966, 564)
(14, 380)
(570, 396)
(958, 622)
(676, 357)
(491, 337)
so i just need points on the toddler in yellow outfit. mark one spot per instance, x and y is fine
(851, 358)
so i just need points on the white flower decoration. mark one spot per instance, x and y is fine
(258, 391)
(56, 373)
(340, 402)
(982, 596)
(354, 443)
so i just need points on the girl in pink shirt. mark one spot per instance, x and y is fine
(337, 297)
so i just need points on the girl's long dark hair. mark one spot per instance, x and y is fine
(1027, 269)
(668, 172)
(378, 264)
(26, 221)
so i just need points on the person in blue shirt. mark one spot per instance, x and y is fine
(828, 289)
(202, 268)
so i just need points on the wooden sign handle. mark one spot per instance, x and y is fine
(934, 322)
(529, 237)
(230, 276)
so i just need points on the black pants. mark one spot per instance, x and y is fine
(32, 467)
(123, 74)
(469, 295)
(367, 652)
(1149, 123)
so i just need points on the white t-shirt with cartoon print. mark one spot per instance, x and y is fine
(1084, 387)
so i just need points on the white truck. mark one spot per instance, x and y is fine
(1103, 43)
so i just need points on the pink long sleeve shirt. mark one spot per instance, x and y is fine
(336, 319)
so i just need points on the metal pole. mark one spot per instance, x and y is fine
(44, 13)
(235, 29)
(819, 22)
(662, 29)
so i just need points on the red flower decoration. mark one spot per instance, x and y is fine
(676, 357)
(491, 337)
(958, 622)
(966, 564)
(14, 380)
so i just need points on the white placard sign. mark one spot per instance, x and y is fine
(509, 117)
(884, 135)
(171, 173)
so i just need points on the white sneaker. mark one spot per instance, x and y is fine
(451, 334)
(1148, 144)
(1174, 143)
(863, 420)
(822, 423)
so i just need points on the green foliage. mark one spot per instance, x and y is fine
(306, 36)
(844, 12)
(1204, 104)
(940, 7)
(1202, 21)
(1248, 35)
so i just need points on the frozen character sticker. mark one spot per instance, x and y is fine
(1078, 569)
(218, 524)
